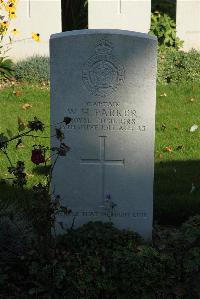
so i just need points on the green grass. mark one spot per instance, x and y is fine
(11, 103)
(175, 171)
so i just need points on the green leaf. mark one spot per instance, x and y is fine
(21, 124)
(9, 132)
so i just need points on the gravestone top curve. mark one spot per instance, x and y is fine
(103, 31)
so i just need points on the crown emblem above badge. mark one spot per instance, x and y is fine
(103, 47)
(102, 74)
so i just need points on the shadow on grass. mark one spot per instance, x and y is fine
(11, 196)
(41, 170)
(176, 192)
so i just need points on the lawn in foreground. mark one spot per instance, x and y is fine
(177, 156)
(25, 102)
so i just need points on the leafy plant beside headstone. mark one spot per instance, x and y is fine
(164, 27)
(41, 209)
(6, 68)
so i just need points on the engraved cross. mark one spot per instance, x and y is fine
(102, 162)
(119, 6)
(29, 9)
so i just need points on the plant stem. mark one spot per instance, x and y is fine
(19, 136)
(6, 154)
(52, 168)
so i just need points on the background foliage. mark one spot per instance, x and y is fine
(164, 27)
(74, 14)
(178, 66)
(33, 69)
(6, 68)
(165, 6)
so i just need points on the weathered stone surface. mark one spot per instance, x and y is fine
(105, 80)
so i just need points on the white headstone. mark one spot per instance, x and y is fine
(132, 15)
(39, 16)
(188, 23)
(105, 80)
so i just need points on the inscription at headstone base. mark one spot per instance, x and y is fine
(105, 80)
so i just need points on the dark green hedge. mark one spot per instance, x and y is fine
(178, 66)
(33, 69)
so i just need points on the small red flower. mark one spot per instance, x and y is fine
(37, 156)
